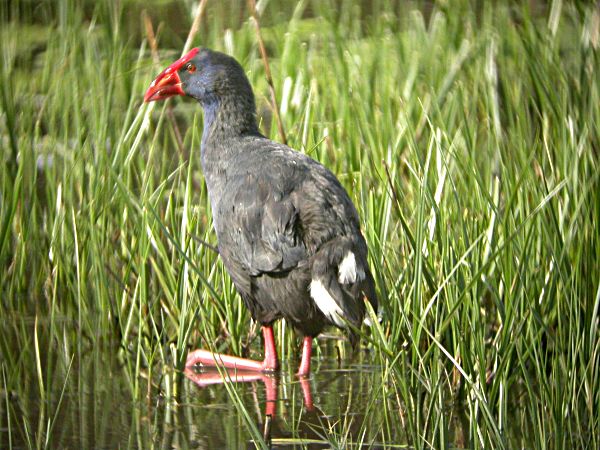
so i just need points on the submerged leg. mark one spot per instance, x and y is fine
(208, 358)
(304, 369)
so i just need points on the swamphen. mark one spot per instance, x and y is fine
(287, 232)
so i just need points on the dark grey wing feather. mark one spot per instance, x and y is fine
(261, 224)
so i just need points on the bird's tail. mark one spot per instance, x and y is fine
(342, 282)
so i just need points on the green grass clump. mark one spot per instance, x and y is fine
(468, 138)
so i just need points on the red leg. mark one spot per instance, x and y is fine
(208, 358)
(304, 369)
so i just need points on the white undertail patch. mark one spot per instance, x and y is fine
(326, 303)
(348, 271)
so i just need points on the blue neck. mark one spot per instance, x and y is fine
(228, 117)
(211, 110)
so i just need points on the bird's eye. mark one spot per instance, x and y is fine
(191, 68)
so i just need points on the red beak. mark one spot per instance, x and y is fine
(168, 83)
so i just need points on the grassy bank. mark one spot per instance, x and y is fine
(468, 138)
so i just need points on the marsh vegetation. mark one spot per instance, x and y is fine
(468, 137)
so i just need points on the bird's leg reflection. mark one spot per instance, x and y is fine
(306, 393)
(271, 383)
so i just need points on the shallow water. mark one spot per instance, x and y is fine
(289, 412)
(336, 405)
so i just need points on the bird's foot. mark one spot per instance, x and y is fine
(210, 359)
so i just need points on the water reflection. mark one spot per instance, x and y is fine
(271, 383)
(89, 402)
(331, 407)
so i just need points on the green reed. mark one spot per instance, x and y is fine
(467, 137)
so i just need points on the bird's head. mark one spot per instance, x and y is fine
(203, 74)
